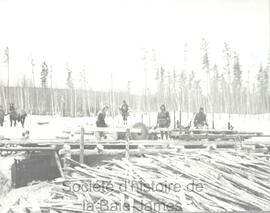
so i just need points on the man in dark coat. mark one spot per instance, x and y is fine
(101, 120)
(163, 120)
(124, 111)
(11, 107)
(200, 119)
(2, 115)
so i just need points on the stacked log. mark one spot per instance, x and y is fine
(194, 181)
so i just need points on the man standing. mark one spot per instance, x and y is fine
(101, 120)
(2, 115)
(163, 120)
(200, 119)
(124, 111)
(11, 107)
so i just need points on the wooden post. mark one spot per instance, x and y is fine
(127, 143)
(82, 146)
(58, 163)
(66, 153)
(7, 61)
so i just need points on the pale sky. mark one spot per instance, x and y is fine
(107, 37)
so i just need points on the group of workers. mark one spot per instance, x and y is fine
(164, 121)
(100, 122)
(163, 118)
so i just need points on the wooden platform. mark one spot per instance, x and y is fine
(190, 139)
(38, 144)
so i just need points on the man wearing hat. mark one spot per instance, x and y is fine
(200, 119)
(163, 120)
(124, 112)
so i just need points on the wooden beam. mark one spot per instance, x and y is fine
(27, 149)
(40, 144)
(122, 152)
(111, 129)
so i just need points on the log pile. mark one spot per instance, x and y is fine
(193, 181)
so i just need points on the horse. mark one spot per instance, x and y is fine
(17, 115)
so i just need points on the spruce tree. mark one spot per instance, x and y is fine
(44, 75)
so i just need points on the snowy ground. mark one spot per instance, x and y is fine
(48, 127)
(258, 122)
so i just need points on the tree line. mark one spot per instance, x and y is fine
(223, 90)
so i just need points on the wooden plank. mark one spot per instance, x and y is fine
(27, 149)
(212, 130)
(39, 144)
(78, 133)
(246, 132)
(158, 130)
(122, 152)
(265, 143)
(168, 142)
(209, 136)
(111, 129)
(222, 131)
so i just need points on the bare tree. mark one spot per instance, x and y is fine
(8, 72)
(44, 75)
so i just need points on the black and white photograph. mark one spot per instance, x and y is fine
(134, 106)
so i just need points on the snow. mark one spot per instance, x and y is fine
(241, 122)
(48, 127)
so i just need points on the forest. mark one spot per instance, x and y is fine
(226, 90)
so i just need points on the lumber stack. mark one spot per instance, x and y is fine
(194, 181)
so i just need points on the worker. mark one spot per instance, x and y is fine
(124, 111)
(11, 107)
(200, 119)
(163, 120)
(101, 120)
(2, 115)
(230, 126)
